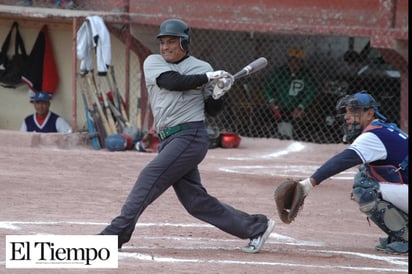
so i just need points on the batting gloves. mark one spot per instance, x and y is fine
(222, 86)
(212, 75)
(307, 186)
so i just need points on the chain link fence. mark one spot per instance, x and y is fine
(337, 65)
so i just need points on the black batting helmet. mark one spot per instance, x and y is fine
(176, 27)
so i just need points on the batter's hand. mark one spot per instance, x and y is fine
(213, 75)
(222, 86)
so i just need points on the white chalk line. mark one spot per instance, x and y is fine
(284, 170)
(150, 257)
(294, 147)
(274, 238)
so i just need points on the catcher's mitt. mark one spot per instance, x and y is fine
(289, 198)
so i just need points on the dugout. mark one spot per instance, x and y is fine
(228, 37)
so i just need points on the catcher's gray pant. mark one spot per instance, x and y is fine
(177, 165)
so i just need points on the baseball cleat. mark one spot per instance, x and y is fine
(255, 244)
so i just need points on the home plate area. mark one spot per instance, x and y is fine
(79, 191)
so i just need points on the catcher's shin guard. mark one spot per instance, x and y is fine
(391, 220)
(386, 216)
(365, 192)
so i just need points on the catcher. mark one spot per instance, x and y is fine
(381, 185)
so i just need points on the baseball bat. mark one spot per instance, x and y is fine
(137, 105)
(90, 117)
(117, 96)
(125, 123)
(109, 115)
(251, 68)
(120, 117)
(93, 95)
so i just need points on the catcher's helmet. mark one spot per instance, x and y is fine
(360, 100)
(176, 27)
(229, 140)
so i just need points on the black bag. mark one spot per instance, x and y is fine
(11, 69)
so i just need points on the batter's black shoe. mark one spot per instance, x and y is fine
(256, 244)
(119, 244)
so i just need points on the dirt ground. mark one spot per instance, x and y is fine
(57, 185)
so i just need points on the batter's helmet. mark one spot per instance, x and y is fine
(176, 27)
(134, 132)
(129, 141)
(149, 143)
(229, 140)
(115, 142)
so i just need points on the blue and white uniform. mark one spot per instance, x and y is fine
(52, 123)
(379, 148)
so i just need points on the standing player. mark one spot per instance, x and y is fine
(381, 185)
(178, 85)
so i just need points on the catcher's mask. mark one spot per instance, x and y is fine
(358, 101)
(176, 27)
(229, 140)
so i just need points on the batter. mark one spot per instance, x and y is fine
(179, 87)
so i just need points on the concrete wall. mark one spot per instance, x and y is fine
(14, 103)
(386, 22)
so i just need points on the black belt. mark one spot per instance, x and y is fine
(172, 130)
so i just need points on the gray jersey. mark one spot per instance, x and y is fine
(171, 108)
